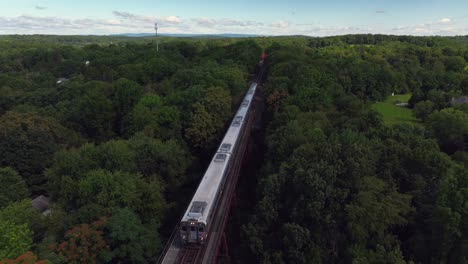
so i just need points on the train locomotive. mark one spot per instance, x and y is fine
(195, 224)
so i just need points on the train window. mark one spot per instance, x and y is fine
(220, 157)
(250, 92)
(200, 229)
(192, 228)
(184, 228)
(237, 121)
(245, 103)
(225, 147)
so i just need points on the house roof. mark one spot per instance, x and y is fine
(460, 100)
(61, 80)
(40, 203)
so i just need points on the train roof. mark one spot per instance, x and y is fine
(205, 195)
(232, 134)
(204, 198)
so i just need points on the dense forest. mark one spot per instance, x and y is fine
(117, 136)
(337, 185)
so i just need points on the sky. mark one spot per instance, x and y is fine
(274, 17)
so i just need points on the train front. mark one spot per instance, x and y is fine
(193, 226)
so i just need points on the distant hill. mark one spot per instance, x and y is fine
(225, 35)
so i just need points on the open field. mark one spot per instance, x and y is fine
(393, 114)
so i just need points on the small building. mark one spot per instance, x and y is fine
(459, 100)
(41, 203)
(61, 81)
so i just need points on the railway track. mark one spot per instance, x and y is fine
(190, 255)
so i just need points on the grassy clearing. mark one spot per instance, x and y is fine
(393, 114)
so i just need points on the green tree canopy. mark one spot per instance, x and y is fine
(154, 158)
(126, 95)
(108, 189)
(129, 240)
(15, 187)
(423, 109)
(203, 127)
(154, 118)
(14, 239)
(208, 117)
(87, 108)
(449, 126)
(28, 142)
(22, 212)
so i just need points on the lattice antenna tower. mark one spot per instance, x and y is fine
(157, 40)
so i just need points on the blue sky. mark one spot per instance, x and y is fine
(274, 17)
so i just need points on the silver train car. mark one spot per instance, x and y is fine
(195, 224)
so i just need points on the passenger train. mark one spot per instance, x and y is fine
(195, 224)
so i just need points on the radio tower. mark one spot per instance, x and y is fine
(157, 41)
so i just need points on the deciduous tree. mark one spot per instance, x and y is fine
(15, 187)
(28, 142)
(126, 95)
(14, 239)
(84, 243)
(423, 109)
(449, 126)
(26, 258)
(129, 239)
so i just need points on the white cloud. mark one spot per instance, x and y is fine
(331, 30)
(131, 18)
(280, 24)
(27, 24)
(127, 16)
(171, 20)
(204, 21)
(114, 22)
(225, 22)
(443, 27)
(40, 7)
(445, 20)
(124, 15)
(126, 22)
